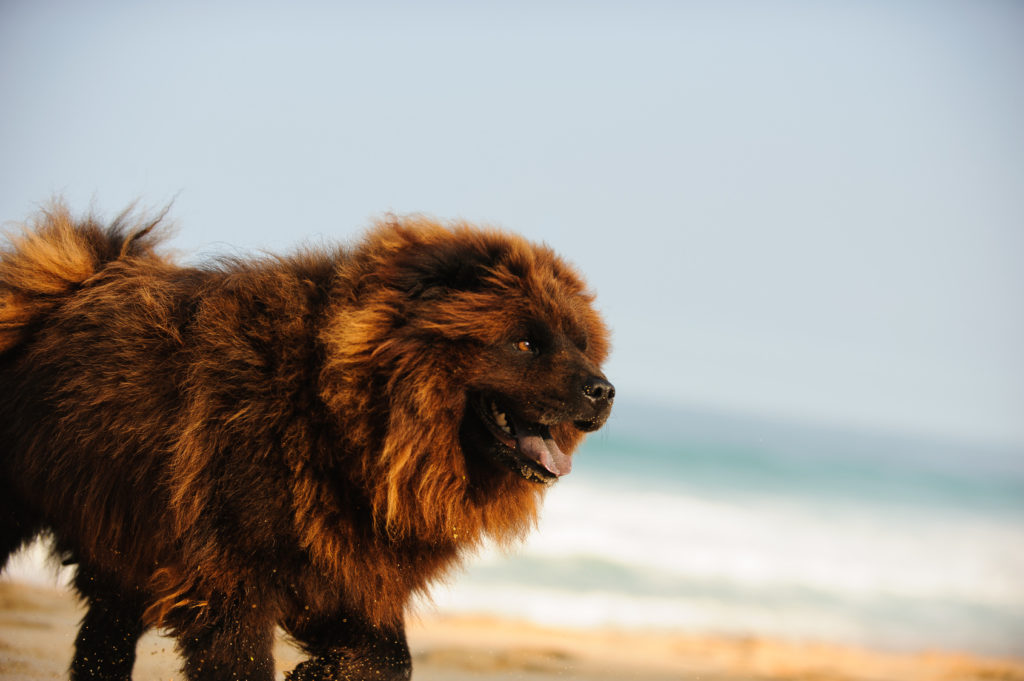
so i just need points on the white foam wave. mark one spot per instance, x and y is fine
(33, 565)
(859, 551)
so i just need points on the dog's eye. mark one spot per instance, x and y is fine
(525, 345)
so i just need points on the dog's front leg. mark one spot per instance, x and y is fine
(345, 647)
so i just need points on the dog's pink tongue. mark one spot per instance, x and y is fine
(545, 451)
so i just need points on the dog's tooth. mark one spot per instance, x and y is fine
(500, 418)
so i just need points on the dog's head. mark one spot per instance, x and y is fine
(485, 347)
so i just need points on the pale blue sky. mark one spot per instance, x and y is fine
(805, 209)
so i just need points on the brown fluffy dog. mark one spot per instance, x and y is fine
(305, 441)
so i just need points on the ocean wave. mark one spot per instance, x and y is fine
(762, 542)
(615, 554)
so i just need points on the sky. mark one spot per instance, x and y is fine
(807, 210)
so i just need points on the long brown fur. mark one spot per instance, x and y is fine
(254, 442)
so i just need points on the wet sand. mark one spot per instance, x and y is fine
(37, 629)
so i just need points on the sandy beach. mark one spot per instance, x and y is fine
(37, 628)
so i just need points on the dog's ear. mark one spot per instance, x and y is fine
(440, 270)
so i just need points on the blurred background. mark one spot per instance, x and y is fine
(804, 222)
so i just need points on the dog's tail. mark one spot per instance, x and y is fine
(55, 254)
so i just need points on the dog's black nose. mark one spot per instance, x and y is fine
(597, 389)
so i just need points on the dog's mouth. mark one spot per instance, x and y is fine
(525, 447)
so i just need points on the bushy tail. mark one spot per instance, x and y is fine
(54, 254)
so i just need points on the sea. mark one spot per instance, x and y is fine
(699, 522)
(709, 523)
